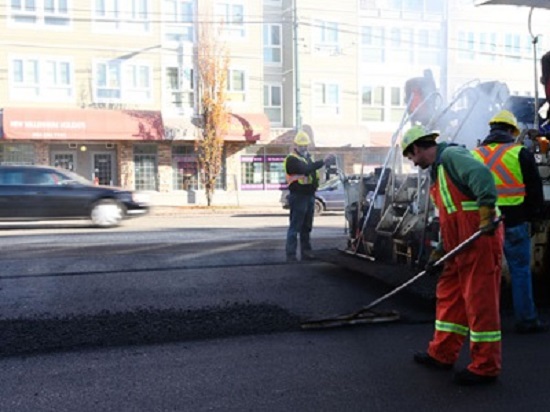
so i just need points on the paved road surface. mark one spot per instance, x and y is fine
(160, 315)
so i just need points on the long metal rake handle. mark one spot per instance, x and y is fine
(444, 258)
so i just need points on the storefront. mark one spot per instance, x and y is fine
(111, 147)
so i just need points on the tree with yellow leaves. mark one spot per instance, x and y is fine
(213, 66)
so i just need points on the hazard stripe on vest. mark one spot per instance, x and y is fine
(503, 161)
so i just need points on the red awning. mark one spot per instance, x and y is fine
(248, 127)
(81, 124)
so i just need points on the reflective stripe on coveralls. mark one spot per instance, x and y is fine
(468, 290)
(503, 160)
(301, 179)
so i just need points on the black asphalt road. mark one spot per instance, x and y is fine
(201, 313)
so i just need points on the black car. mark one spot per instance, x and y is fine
(47, 193)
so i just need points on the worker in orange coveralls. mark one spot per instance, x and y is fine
(468, 290)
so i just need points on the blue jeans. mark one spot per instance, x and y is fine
(302, 208)
(517, 249)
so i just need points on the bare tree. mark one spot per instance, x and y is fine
(213, 66)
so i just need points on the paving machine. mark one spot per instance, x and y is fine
(392, 224)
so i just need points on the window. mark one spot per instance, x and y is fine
(180, 86)
(273, 103)
(45, 79)
(401, 50)
(326, 98)
(40, 12)
(326, 32)
(512, 47)
(487, 46)
(262, 169)
(108, 85)
(466, 45)
(429, 46)
(179, 20)
(372, 44)
(236, 85)
(146, 167)
(372, 104)
(272, 43)
(185, 168)
(397, 104)
(137, 83)
(16, 154)
(231, 16)
(119, 81)
(121, 15)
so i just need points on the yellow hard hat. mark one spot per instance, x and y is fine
(506, 117)
(414, 134)
(301, 138)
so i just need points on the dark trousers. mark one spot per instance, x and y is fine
(302, 208)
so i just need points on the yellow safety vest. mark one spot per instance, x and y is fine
(503, 160)
(301, 179)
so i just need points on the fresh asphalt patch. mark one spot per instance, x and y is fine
(141, 326)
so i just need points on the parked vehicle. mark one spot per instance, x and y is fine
(47, 193)
(330, 196)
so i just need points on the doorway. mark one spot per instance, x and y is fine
(103, 169)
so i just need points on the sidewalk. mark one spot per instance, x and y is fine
(216, 210)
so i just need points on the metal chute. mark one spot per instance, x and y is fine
(542, 4)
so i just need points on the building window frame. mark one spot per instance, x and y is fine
(262, 168)
(237, 88)
(273, 47)
(41, 77)
(373, 103)
(118, 81)
(230, 14)
(273, 103)
(327, 98)
(17, 154)
(132, 16)
(179, 16)
(51, 14)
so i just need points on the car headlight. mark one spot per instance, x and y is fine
(139, 197)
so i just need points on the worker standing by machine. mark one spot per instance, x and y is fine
(520, 198)
(468, 290)
(302, 178)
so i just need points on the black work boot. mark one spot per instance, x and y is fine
(468, 378)
(291, 259)
(308, 255)
(424, 359)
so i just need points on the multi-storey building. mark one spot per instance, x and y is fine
(110, 88)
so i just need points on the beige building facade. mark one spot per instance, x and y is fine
(110, 89)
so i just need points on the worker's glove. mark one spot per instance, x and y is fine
(431, 269)
(330, 160)
(487, 220)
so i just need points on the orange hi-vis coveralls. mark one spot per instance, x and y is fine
(468, 290)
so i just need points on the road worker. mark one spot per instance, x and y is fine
(302, 177)
(520, 197)
(468, 289)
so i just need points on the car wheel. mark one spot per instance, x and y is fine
(106, 213)
(319, 207)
